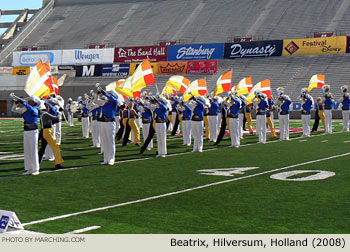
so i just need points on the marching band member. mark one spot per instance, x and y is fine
(345, 101)
(95, 127)
(84, 119)
(49, 154)
(159, 106)
(109, 105)
(319, 114)
(305, 113)
(241, 114)
(130, 115)
(205, 119)
(146, 115)
(269, 117)
(248, 116)
(47, 121)
(69, 112)
(174, 101)
(260, 101)
(234, 104)
(328, 106)
(30, 114)
(197, 104)
(213, 118)
(186, 122)
(283, 103)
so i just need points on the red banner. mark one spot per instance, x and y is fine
(202, 66)
(135, 54)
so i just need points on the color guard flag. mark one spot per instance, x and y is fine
(55, 85)
(264, 87)
(61, 80)
(114, 84)
(125, 88)
(316, 81)
(223, 84)
(142, 77)
(168, 91)
(39, 82)
(178, 82)
(244, 86)
(196, 88)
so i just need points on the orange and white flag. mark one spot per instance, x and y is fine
(223, 84)
(39, 81)
(168, 91)
(124, 87)
(263, 86)
(178, 82)
(244, 86)
(142, 77)
(316, 81)
(196, 88)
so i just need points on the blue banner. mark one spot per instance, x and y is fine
(116, 70)
(348, 44)
(195, 52)
(88, 71)
(266, 48)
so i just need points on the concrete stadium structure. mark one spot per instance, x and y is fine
(73, 24)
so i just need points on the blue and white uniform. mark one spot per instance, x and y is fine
(85, 123)
(283, 116)
(161, 112)
(186, 122)
(197, 124)
(233, 115)
(213, 119)
(328, 106)
(305, 114)
(108, 129)
(345, 101)
(262, 106)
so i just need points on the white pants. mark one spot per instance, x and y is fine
(261, 128)
(186, 132)
(328, 120)
(197, 134)
(48, 150)
(95, 132)
(345, 114)
(101, 140)
(58, 132)
(234, 131)
(241, 118)
(145, 132)
(30, 147)
(306, 124)
(70, 119)
(161, 139)
(284, 126)
(107, 133)
(213, 127)
(85, 126)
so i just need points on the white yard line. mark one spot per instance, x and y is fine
(82, 230)
(181, 191)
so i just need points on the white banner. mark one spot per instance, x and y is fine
(31, 58)
(6, 70)
(88, 56)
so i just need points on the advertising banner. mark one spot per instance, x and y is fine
(348, 44)
(88, 56)
(172, 67)
(203, 66)
(154, 66)
(195, 52)
(20, 70)
(6, 70)
(266, 48)
(88, 71)
(136, 54)
(314, 46)
(31, 58)
(116, 70)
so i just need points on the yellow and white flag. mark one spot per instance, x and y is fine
(244, 86)
(263, 86)
(196, 88)
(39, 81)
(223, 84)
(316, 81)
(178, 82)
(168, 91)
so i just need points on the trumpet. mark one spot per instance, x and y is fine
(15, 97)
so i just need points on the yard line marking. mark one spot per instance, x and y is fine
(181, 191)
(82, 230)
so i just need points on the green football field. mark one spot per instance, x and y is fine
(145, 194)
